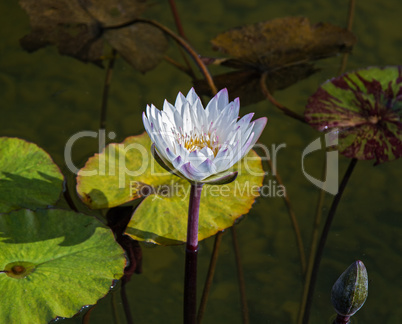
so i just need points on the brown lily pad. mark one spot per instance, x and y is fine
(282, 42)
(79, 28)
(284, 48)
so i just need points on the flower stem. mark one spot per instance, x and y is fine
(190, 277)
(340, 319)
(323, 239)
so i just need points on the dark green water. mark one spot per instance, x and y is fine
(46, 98)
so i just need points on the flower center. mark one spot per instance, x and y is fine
(198, 140)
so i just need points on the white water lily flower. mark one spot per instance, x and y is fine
(201, 145)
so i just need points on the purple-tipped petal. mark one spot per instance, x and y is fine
(259, 126)
(206, 168)
(190, 172)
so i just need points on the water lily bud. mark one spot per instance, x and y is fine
(350, 290)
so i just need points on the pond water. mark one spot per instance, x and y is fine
(46, 98)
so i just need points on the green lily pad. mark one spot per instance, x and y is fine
(28, 176)
(366, 108)
(109, 179)
(54, 262)
(162, 216)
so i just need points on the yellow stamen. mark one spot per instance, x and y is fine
(197, 141)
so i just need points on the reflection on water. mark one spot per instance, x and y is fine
(46, 98)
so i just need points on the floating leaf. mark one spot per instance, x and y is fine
(162, 216)
(366, 107)
(141, 45)
(28, 176)
(78, 29)
(116, 169)
(112, 12)
(281, 42)
(284, 48)
(52, 263)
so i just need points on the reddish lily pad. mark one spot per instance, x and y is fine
(366, 107)
(162, 216)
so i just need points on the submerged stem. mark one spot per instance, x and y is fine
(313, 246)
(210, 277)
(87, 316)
(176, 17)
(190, 277)
(323, 239)
(277, 104)
(106, 88)
(126, 305)
(182, 42)
(240, 278)
(293, 219)
(351, 14)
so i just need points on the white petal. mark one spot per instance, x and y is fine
(186, 117)
(192, 96)
(206, 168)
(207, 152)
(196, 158)
(259, 126)
(222, 159)
(178, 121)
(147, 125)
(180, 100)
(160, 144)
(212, 109)
(201, 115)
(152, 111)
(168, 109)
(223, 98)
(245, 121)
